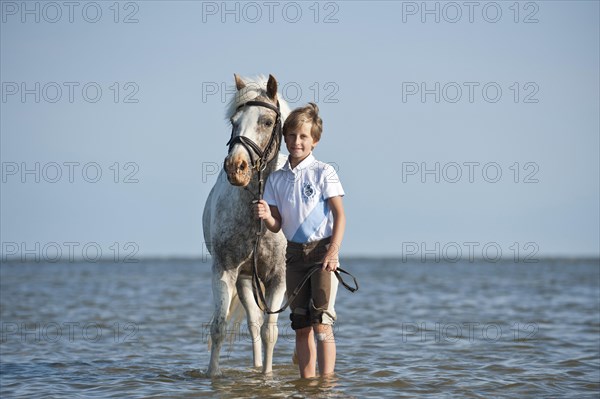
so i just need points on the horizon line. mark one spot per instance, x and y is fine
(401, 258)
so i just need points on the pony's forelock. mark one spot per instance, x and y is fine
(255, 87)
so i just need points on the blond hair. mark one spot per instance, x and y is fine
(307, 114)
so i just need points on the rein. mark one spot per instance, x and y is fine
(260, 164)
(290, 298)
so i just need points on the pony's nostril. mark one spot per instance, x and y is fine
(243, 166)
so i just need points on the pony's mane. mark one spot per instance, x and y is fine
(255, 86)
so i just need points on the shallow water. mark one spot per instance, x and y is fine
(427, 330)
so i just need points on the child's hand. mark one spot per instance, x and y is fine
(262, 210)
(331, 260)
(331, 264)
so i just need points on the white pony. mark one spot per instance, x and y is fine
(230, 226)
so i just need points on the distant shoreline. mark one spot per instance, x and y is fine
(354, 258)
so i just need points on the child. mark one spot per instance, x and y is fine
(304, 198)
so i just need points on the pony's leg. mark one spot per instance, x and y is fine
(254, 316)
(269, 331)
(222, 286)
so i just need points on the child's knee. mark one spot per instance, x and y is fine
(323, 332)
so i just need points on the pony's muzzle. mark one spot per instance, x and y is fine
(238, 169)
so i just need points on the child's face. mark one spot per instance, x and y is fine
(300, 142)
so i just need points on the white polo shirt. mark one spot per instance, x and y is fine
(301, 195)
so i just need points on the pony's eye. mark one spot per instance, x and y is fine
(269, 123)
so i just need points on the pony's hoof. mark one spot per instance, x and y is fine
(214, 373)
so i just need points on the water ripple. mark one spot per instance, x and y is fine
(413, 330)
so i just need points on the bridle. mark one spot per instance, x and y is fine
(259, 158)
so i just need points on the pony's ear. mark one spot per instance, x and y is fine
(239, 83)
(272, 88)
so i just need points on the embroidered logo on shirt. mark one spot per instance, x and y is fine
(308, 190)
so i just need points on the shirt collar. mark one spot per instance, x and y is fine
(302, 165)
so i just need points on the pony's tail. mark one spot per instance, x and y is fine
(235, 315)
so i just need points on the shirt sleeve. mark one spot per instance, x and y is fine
(269, 194)
(332, 187)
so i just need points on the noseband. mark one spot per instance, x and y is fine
(259, 157)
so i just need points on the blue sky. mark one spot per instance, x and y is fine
(499, 102)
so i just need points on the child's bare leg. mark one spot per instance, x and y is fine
(325, 348)
(306, 352)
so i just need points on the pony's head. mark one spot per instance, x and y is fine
(254, 117)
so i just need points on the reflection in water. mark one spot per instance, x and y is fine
(322, 387)
(283, 383)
